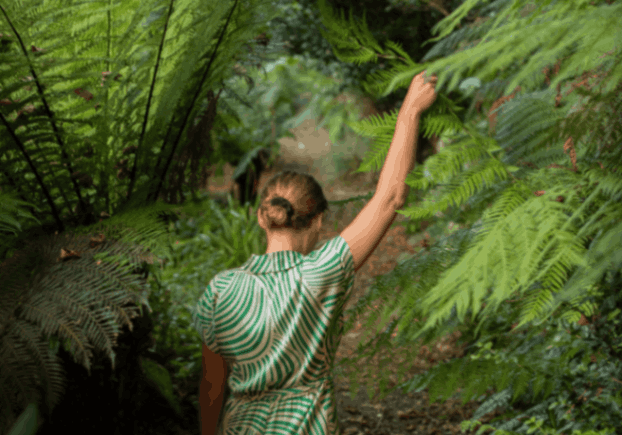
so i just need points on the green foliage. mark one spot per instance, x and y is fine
(26, 424)
(62, 132)
(349, 42)
(276, 96)
(383, 128)
(548, 231)
(162, 380)
(114, 113)
(535, 261)
(570, 369)
(44, 301)
(299, 31)
(205, 240)
(535, 426)
(9, 207)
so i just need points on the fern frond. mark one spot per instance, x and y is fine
(450, 43)
(404, 57)
(504, 40)
(526, 118)
(498, 400)
(535, 305)
(581, 305)
(608, 184)
(604, 252)
(438, 120)
(382, 129)
(56, 270)
(376, 125)
(447, 25)
(382, 133)
(377, 82)
(509, 200)
(509, 275)
(466, 184)
(16, 358)
(10, 206)
(350, 42)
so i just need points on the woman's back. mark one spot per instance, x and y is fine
(277, 322)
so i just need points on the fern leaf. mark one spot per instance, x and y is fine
(500, 400)
(520, 384)
(450, 22)
(396, 47)
(377, 83)
(350, 43)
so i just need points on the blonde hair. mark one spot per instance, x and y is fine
(291, 200)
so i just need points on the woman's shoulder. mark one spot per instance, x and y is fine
(333, 252)
(330, 246)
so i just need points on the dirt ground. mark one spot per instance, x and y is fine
(397, 414)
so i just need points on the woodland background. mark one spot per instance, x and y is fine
(111, 112)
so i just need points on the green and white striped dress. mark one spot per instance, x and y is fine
(277, 321)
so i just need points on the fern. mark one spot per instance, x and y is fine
(52, 305)
(529, 243)
(64, 124)
(9, 207)
(349, 41)
(549, 194)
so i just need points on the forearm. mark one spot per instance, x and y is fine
(401, 158)
(209, 410)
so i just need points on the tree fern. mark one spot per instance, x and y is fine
(60, 121)
(11, 208)
(528, 242)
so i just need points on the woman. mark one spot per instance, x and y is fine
(271, 327)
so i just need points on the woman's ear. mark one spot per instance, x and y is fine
(260, 218)
(319, 221)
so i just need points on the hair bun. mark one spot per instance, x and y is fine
(283, 202)
(303, 189)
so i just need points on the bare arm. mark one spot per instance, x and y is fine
(369, 227)
(209, 410)
(211, 390)
(401, 157)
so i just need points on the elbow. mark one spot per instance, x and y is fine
(399, 199)
(398, 203)
(394, 200)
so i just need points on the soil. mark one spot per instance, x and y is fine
(397, 413)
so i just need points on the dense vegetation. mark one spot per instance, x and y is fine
(529, 112)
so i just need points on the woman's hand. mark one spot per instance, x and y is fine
(421, 93)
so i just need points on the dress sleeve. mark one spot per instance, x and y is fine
(332, 265)
(204, 316)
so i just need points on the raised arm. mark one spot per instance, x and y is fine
(401, 157)
(369, 227)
